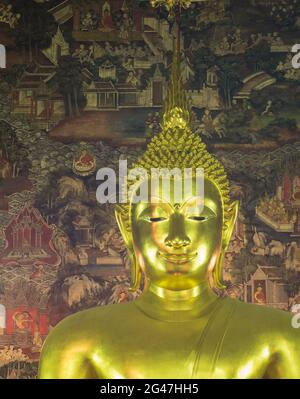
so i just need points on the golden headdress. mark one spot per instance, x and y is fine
(176, 146)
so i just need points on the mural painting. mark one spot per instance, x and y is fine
(87, 92)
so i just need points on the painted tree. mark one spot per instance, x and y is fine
(227, 70)
(69, 81)
(284, 13)
(13, 74)
(202, 60)
(229, 77)
(260, 58)
(292, 279)
(35, 28)
(13, 150)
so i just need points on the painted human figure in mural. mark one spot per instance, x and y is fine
(133, 79)
(208, 121)
(37, 341)
(83, 257)
(123, 296)
(259, 296)
(82, 53)
(23, 321)
(129, 64)
(2, 319)
(296, 188)
(127, 25)
(149, 126)
(107, 24)
(89, 21)
(292, 261)
(269, 109)
(5, 169)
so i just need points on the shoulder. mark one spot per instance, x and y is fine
(86, 322)
(265, 321)
(265, 315)
(265, 333)
(76, 337)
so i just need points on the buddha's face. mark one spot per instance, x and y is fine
(177, 244)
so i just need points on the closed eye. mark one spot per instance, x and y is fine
(198, 218)
(156, 220)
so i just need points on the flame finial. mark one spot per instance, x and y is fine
(171, 4)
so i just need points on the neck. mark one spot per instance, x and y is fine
(183, 305)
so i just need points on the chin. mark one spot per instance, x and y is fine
(177, 281)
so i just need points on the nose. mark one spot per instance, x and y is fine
(177, 237)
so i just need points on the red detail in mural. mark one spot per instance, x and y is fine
(138, 18)
(43, 324)
(24, 319)
(287, 189)
(29, 241)
(20, 319)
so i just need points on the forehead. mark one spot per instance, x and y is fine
(211, 195)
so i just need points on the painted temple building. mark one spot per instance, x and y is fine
(208, 96)
(23, 325)
(35, 97)
(28, 241)
(59, 47)
(282, 212)
(110, 95)
(267, 287)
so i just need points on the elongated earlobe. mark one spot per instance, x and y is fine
(217, 274)
(230, 224)
(123, 227)
(136, 274)
(135, 270)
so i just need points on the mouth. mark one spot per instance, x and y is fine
(177, 274)
(177, 259)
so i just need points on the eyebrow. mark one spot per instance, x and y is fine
(208, 203)
(150, 206)
(211, 205)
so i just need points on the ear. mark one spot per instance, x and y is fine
(136, 274)
(227, 234)
(123, 227)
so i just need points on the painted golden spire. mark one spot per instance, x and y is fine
(176, 96)
(176, 104)
(171, 4)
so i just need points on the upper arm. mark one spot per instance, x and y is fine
(66, 358)
(63, 368)
(285, 361)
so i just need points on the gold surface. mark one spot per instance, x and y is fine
(170, 4)
(178, 328)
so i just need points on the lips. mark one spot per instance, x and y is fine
(177, 259)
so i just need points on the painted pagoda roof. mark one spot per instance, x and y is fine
(29, 241)
(273, 272)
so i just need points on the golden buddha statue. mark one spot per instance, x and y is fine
(179, 327)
